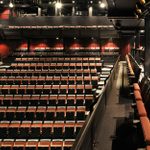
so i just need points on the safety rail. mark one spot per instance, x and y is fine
(86, 137)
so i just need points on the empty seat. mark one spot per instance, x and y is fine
(148, 148)
(35, 130)
(51, 113)
(60, 113)
(137, 95)
(46, 130)
(146, 128)
(40, 113)
(24, 130)
(141, 109)
(69, 131)
(58, 130)
(57, 144)
(44, 144)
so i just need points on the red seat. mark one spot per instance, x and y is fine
(146, 128)
(136, 86)
(148, 148)
(141, 108)
(137, 95)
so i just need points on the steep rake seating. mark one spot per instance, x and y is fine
(142, 111)
(45, 98)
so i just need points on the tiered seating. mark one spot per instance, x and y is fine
(133, 69)
(131, 74)
(45, 98)
(142, 111)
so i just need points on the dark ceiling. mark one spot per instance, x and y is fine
(121, 13)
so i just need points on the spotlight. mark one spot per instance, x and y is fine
(11, 5)
(142, 2)
(102, 5)
(142, 31)
(58, 5)
(1, 2)
(73, 2)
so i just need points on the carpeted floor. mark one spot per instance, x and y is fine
(115, 124)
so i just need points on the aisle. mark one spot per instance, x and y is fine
(117, 107)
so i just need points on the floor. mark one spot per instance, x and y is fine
(117, 110)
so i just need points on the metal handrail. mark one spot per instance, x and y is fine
(135, 61)
(86, 127)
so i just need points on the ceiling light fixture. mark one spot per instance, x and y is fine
(102, 5)
(58, 5)
(142, 31)
(11, 5)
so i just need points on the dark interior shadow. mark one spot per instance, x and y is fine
(127, 136)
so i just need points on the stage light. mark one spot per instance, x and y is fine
(142, 31)
(11, 5)
(142, 2)
(58, 5)
(102, 5)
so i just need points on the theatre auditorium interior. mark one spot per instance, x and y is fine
(74, 75)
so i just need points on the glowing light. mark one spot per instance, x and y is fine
(11, 5)
(58, 5)
(102, 5)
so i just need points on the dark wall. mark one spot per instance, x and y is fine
(6, 47)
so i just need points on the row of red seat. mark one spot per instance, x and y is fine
(46, 96)
(58, 59)
(40, 129)
(40, 124)
(45, 72)
(45, 144)
(142, 113)
(46, 89)
(47, 100)
(50, 80)
(43, 113)
(43, 109)
(58, 64)
(56, 54)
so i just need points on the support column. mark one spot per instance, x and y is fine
(137, 40)
(137, 46)
(73, 11)
(39, 11)
(28, 45)
(90, 11)
(147, 47)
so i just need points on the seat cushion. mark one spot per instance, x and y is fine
(146, 128)
(148, 148)
(136, 86)
(137, 95)
(141, 108)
